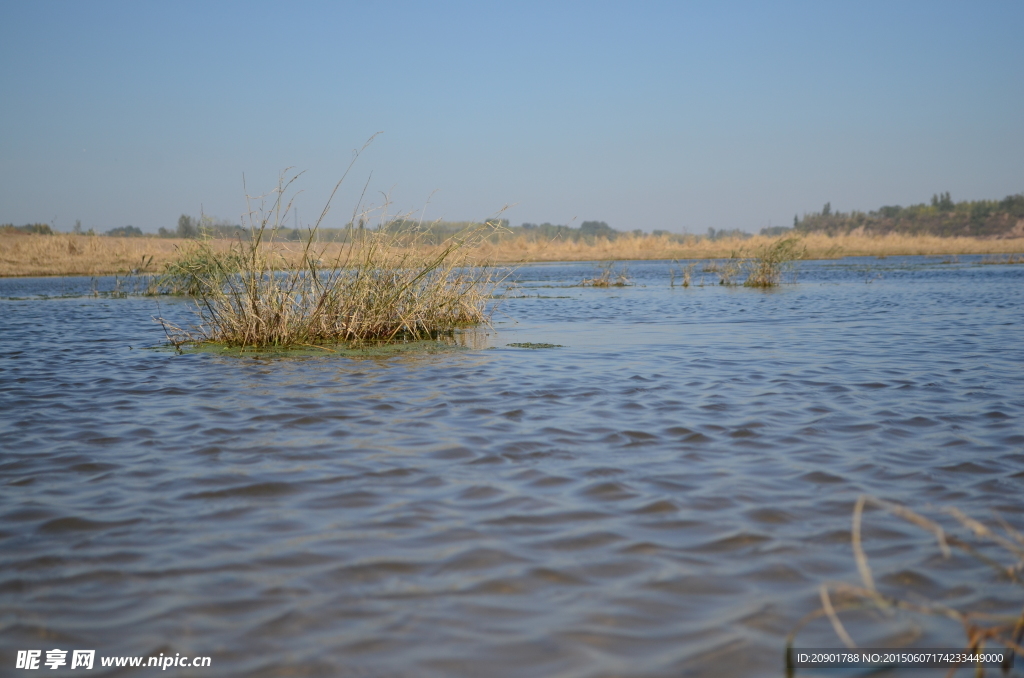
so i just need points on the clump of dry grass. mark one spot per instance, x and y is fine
(377, 286)
(608, 277)
(1008, 259)
(766, 268)
(198, 266)
(980, 628)
(727, 269)
(685, 272)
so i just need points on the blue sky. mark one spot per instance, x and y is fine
(676, 116)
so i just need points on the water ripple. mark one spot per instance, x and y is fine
(661, 496)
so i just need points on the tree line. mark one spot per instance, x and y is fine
(942, 216)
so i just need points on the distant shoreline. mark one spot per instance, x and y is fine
(83, 255)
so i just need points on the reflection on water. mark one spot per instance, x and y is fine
(661, 495)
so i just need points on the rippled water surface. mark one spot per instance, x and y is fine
(660, 495)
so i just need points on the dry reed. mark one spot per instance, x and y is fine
(685, 272)
(765, 269)
(42, 255)
(608, 277)
(45, 255)
(980, 628)
(1006, 259)
(378, 286)
(818, 246)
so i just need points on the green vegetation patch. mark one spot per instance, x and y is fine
(374, 349)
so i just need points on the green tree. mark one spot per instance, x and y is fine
(187, 227)
(597, 229)
(125, 232)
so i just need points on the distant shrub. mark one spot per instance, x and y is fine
(597, 229)
(125, 232)
(187, 227)
(40, 229)
(723, 234)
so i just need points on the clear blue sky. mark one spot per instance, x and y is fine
(649, 115)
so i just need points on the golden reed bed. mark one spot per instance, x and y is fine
(59, 255)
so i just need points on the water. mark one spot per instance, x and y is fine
(661, 495)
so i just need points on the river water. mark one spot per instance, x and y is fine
(662, 493)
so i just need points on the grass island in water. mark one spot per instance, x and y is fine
(376, 287)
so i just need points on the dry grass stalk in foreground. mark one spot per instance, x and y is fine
(980, 628)
(375, 287)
